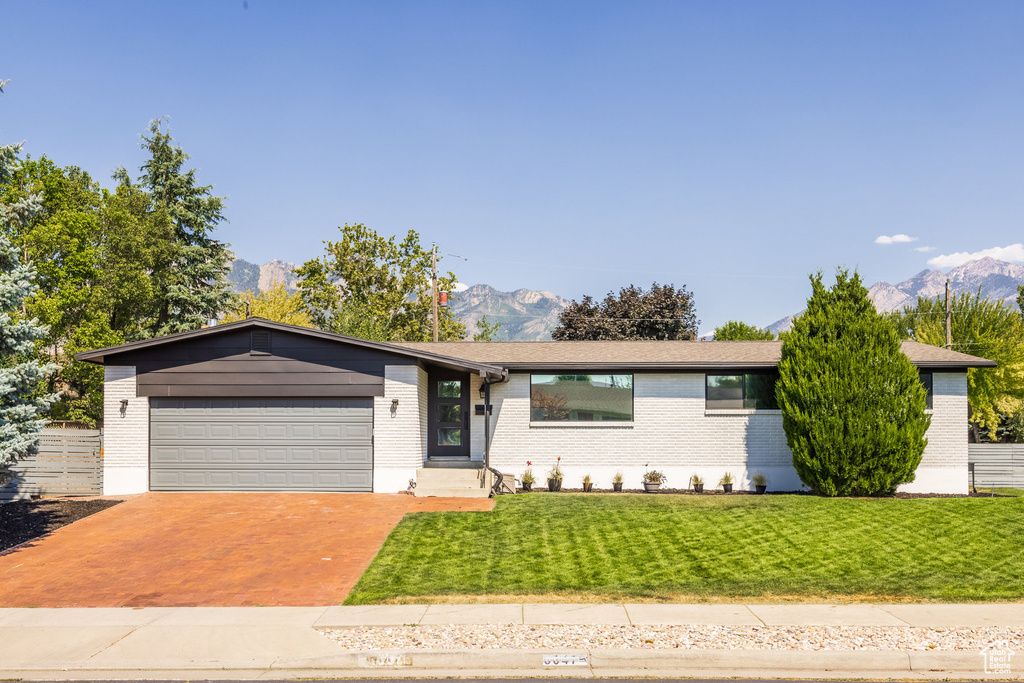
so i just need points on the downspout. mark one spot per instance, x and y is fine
(487, 430)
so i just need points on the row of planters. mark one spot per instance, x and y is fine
(652, 480)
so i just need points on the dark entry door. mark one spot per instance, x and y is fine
(448, 421)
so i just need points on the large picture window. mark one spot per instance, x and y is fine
(752, 390)
(581, 398)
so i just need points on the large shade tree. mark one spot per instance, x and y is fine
(735, 330)
(94, 253)
(375, 287)
(663, 312)
(984, 328)
(853, 405)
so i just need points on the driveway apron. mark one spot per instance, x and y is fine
(212, 549)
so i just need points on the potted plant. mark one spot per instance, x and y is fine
(617, 482)
(697, 483)
(527, 479)
(760, 481)
(555, 476)
(726, 483)
(588, 484)
(653, 479)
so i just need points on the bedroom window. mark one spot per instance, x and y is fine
(581, 398)
(926, 380)
(752, 390)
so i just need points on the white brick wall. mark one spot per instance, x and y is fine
(399, 436)
(125, 435)
(672, 431)
(943, 467)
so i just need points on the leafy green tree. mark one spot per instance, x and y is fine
(735, 330)
(853, 405)
(980, 327)
(1020, 299)
(94, 253)
(191, 285)
(486, 331)
(21, 376)
(663, 312)
(275, 304)
(374, 287)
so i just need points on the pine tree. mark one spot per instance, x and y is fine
(20, 376)
(192, 284)
(853, 405)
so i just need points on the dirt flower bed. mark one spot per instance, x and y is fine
(718, 492)
(24, 520)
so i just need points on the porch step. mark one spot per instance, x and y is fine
(462, 482)
(452, 492)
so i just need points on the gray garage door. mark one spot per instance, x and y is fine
(261, 444)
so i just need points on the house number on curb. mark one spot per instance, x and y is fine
(386, 660)
(565, 660)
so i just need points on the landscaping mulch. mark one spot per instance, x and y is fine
(24, 520)
(980, 493)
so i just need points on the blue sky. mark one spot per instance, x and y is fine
(732, 147)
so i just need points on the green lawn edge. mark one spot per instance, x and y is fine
(664, 547)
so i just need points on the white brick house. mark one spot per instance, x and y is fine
(257, 405)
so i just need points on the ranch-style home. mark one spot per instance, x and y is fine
(263, 406)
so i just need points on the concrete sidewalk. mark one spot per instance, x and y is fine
(282, 642)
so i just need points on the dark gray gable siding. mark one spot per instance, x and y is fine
(227, 365)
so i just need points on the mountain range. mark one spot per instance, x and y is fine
(997, 280)
(525, 314)
(531, 315)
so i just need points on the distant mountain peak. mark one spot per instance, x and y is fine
(997, 280)
(247, 276)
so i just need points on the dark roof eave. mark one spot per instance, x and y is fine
(98, 356)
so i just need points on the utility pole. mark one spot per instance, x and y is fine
(433, 282)
(949, 320)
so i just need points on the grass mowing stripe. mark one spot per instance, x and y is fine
(736, 546)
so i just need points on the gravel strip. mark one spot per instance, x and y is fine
(517, 636)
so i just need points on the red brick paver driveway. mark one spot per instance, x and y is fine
(212, 549)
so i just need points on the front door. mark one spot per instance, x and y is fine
(448, 421)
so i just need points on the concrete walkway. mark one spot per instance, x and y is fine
(281, 642)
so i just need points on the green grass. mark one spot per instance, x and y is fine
(672, 547)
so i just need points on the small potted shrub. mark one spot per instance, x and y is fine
(653, 479)
(617, 482)
(555, 476)
(760, 481)
(726, 483)
(527, 479)
(697, 483)
(588, 484)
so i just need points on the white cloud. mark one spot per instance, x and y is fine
(924, 249)
(1013, 253)
(893, 239)
(460, 287)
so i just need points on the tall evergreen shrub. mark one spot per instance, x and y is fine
(853, 405)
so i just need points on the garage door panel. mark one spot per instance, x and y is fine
(271, 454)
(246, 480)
(261, 444)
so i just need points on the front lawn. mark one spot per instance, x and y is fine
(691, 547)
